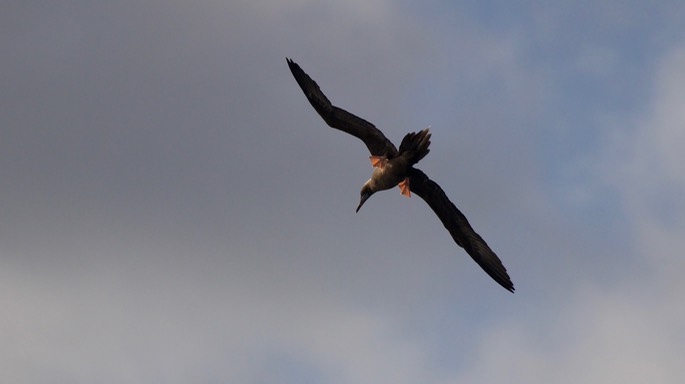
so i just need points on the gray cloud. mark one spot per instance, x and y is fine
(174, 210)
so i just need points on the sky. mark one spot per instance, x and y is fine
(173, 210)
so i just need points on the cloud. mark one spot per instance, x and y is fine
(648, 160)
(173, 210)
(596, 60)
(629, 330)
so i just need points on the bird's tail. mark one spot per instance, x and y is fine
(414, 146)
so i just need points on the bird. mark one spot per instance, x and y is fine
(393, 167)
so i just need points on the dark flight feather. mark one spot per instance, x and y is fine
(458, 226)
(339, 118)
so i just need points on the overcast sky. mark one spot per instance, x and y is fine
(172, 210)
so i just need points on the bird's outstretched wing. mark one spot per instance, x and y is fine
(340, 119)
(460, 229)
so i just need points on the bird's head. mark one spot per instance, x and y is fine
(366, 192)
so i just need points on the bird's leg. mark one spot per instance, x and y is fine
(378, 161)
(404, 187)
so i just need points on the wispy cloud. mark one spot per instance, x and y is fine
(173, 210)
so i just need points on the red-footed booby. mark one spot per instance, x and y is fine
(392, 167)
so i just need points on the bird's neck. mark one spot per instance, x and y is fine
(371, 185)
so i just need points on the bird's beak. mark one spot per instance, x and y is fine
(363, 200)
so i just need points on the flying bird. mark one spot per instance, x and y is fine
(393, 167)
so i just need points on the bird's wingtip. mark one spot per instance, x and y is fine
(505, 282)
(508, 286)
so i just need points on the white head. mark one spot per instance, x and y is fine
(368, 189)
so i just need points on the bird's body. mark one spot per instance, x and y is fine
(393, 167)
(387, 175)
(391, 171)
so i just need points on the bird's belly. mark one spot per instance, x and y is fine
(386, 178)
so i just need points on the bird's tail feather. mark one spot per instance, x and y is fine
(414, 146)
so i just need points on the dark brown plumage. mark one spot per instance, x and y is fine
(340, 119)
(455, 222)
(413, 148)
